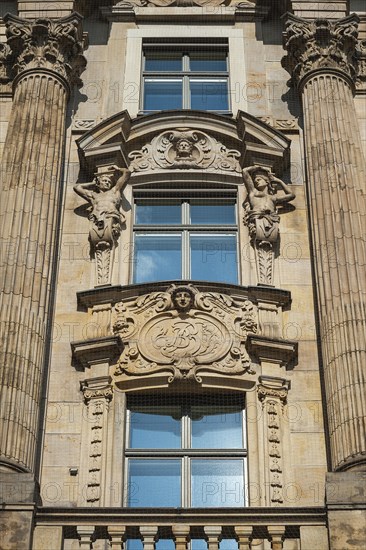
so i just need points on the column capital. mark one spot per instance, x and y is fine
(320, 44)
(45, 45)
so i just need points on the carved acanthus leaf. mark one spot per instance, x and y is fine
(183, 331)
(320, 44)
(55, 45)
(184, 149)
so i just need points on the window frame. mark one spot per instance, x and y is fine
(186, 229)
(186, 454)
(185, 74)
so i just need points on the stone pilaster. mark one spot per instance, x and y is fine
(322, 57)
(48, 59)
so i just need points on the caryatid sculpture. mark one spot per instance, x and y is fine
(104, 194)
(262, 216)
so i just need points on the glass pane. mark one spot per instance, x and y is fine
(216, 427)
(154, 483)
(214, 258)
(163, 61)
(208, 61)
(219, 213)
(198, 544)
(209, 95)
(162, 94)
(165, 544)
(157, 257)
(134, 544)
(217, 483)
(155, 428)
(158, 212)
(228, 544)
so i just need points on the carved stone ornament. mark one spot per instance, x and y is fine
(104, 195)
(180, 3)
(183, 331)
(184, 149)
(320, 44)
(54, 45)
(261, 215)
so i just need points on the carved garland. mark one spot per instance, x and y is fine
(183, 331)
(184, 149)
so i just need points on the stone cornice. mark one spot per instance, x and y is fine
(320, 45)
(47, 45)
(273, 350)
(97, 350)
(208, 10)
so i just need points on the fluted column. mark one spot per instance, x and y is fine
(322, 58)
(48, 60)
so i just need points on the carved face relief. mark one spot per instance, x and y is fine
(184, 148)
(182, 299)
(104, 182)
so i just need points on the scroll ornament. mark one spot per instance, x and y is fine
(180, 3)
(184, 149)
(183, 331)
(261, 215)
(104, 194)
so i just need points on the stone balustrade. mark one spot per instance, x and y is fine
(180, 529)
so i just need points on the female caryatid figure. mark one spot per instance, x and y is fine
(261, 205)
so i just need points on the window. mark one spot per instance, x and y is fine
(185, 239)
(185, 77)
(186, 451)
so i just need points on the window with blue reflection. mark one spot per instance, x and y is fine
(162, 94)
(214, 258)
(228, 544)
(158, 212)
(212, 213)
(154, 483)
(157, 428)
(165, 544)
(209, 94)
(216, 427)
(163, 60)
(157, 258)
(198, 544)
(217, 483)
(134, 544)
(208, 61)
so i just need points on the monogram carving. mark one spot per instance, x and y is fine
(183, 331)
(55, 45)
(184, 149)
(179, 3)
(320, 44)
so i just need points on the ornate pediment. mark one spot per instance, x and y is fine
(184, 149)
(183, 331)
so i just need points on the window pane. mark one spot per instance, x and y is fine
(208, 61)
(218, 427)
(214, 258)
(163, 61)
(134, 544)
(217, 483)
(209, 94)
(210, 213)
(154, 483)
(158, 212)
(228, 544)
(155, 428)
(162, 94)
(198, 544)
(165, 544)
(157, 257)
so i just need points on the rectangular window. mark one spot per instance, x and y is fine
(185, 77)
(186, 451)
(189, 239)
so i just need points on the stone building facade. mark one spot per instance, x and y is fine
(182, 275)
